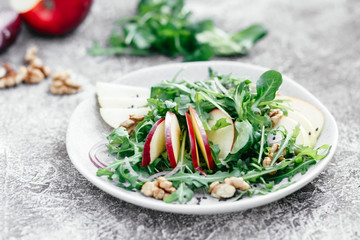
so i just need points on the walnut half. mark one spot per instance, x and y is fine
(228, 188)
(9, 78)
(63, 84)
(131, 123)
(159, 189)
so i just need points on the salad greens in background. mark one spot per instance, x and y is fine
(165, 27)
(247, 106)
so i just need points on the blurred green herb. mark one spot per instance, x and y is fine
(165, 27)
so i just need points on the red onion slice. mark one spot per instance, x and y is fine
(9, 27)
(93, 154)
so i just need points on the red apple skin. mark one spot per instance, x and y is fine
(193, 146)
(9, 32)
(169, 143)
(56, 17)
(204, 137)
(146, 153)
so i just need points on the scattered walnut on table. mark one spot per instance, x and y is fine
(31, 54)
(63, 84)
(131, 123)
(228, 188)
(159, 189)
(9, 78)
(37, 71)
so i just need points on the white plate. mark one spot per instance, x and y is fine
(86, 128)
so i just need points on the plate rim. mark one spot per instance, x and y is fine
(224, 207)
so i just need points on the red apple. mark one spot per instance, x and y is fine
(9, 27)
(202, 138)
(52, 17)
(155, 143)
(172, 137)
(225, 136)
(193, 145)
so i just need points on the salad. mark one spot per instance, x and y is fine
(224, 135)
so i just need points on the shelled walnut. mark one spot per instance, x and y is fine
(228, 188)
(159, 189)
(267, 160)
(37, 71)
(9, 78)
(275, 116)
(63, 84)
(131, 123)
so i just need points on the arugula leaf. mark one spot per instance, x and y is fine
(267, 86)
(165, 27)
(244, 133)
(183, 194)
(220, 123)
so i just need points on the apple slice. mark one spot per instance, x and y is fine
(117, 90)
(312, 113)
(193, 146)
(53, 17)
(155, 143)
(115, 116)
(172, 137)
(121, 102)
(202, 138)
(290, 125)
(304, 122)
(225, 136)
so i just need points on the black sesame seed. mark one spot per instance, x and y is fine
(309, 133)
(137, 95)
(317, 129)
(274, 138)
(132, 106)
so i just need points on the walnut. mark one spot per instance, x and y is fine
(238, 183)
(131, 123)
(21, 74)
(228, 188)
(275, 115)
(267, 160)
(221, 190)
(34, 75)
(31, 54)
(166, 185)
(8, 77)
(63, 84)
(159, 189)
(36, 66)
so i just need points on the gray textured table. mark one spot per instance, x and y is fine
(44, 197)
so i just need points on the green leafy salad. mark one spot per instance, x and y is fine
(165, 27)
(224, 136)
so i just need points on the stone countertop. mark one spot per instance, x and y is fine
(44, 197)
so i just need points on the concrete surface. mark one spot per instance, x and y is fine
(44, 197)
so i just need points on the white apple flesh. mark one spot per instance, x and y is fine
(201, 137)
(309, 111)
(113, 90)
(115, 116)
(121, 102)
(290, 124)
(172, 138)
(155, 143)
(224, 137)
(304, 122)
